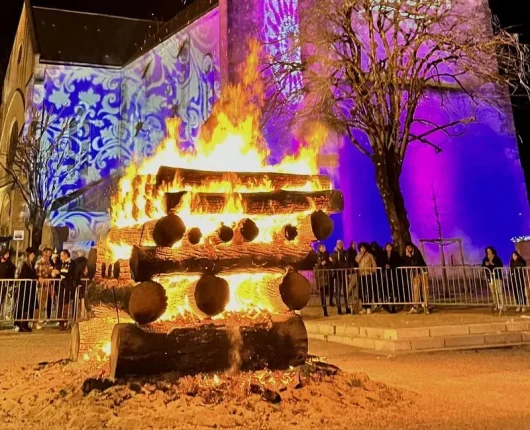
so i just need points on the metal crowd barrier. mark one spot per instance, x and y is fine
(511, 287)
(47, 300)
(433, 285)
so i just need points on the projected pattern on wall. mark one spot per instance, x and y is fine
(120, 114)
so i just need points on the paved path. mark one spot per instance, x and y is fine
(472, 389)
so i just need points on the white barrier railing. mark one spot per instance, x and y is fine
(433, 285)
(39, 300)
(511, 287)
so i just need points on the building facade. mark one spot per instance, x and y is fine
(120, 95)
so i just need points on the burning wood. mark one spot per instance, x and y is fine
(216, 235)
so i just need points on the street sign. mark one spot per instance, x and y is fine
(18, 235)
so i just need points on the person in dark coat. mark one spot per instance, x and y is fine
(81, 275)
(393, 291)
(351, 254)
(27, 291)
(323, 276)
(491, 262)
(339, 260)
(378, 253)
(520, 281)
(7, 274)
(418, 276)
(66, 292)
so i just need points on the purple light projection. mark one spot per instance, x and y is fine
(477, 179)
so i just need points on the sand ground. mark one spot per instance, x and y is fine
(449, 390)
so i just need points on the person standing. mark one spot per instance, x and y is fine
(66, 272)
(27, 292)
(339, 261)
(81, 274)
(367, 269)
(7, 275)
(519, 279)
(351, 254)
(44, 269)
(322, 275)
(491, 262)
(393, 292)
(419, 277)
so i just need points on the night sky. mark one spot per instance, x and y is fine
(510, 13)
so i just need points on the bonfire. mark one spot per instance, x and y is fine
(212, 239)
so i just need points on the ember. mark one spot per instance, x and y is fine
(214, 234)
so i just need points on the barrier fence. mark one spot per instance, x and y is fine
(501, 289)
(47, 300)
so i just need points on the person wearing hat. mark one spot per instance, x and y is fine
(27, 291)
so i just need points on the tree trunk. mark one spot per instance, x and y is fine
(38, 218)
(388, 169)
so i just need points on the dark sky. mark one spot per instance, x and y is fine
(510, 12)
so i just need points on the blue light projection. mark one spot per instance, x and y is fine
(120, 114)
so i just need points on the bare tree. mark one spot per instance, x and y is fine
(369, 64)
(40, 163)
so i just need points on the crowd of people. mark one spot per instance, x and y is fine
(364, 285)
(377, 280)
(46, 288)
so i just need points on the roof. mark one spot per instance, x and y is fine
(157, 10)
(88, 38)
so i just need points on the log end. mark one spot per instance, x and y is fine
(75, 341)
(168, 230)
(248, 229)
(194, 236)
(295, 291)
(290, 232)
(225, 233)
(148, 302)
(212, 294)
(322, 225)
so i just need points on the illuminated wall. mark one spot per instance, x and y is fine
(477, 180)
(121, 113)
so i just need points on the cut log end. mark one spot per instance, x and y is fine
(248, 229)
(212, 294)
(92, 263)
(168, 230)
(295, 291)
(148, 302)
(75, 340)
(225, 233)
(322, 225)
(194, 236)
(290, 232)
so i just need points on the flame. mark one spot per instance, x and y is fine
(229, 141)
(106, 349)
(119, 251)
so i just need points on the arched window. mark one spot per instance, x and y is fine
(13, 142)
(5, 215)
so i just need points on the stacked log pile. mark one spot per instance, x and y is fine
(181, 269)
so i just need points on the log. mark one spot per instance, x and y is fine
(199, 178)
(148, 302)
(209, 348)
(92, 337)
(225, 234)
(295, 290)
(248, 229)
(148, 262)
(290, 232)
(194, 236)
(212, 294)
(168, 230)
(322, 225)
(276, 202)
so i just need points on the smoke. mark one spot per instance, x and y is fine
(236, 343)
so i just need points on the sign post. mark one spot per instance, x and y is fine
(18, 236)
